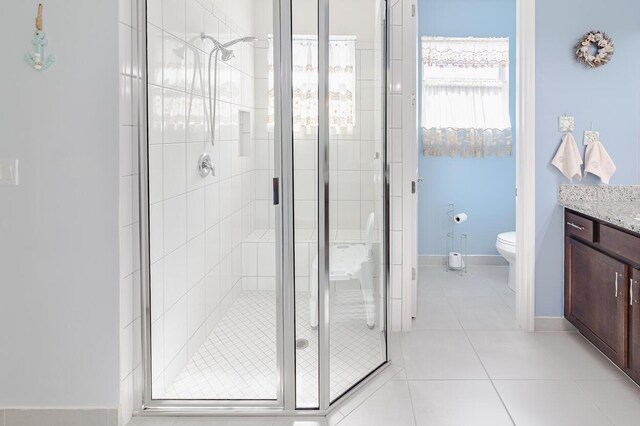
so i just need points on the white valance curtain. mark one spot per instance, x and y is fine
(342, 83)
(465, 97)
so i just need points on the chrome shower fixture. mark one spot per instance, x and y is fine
(240, 40)
(227, 55)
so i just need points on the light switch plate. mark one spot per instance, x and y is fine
(9, 172)
(566, 123)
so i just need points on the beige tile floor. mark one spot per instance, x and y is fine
(465, 363)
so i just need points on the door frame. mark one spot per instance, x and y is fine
(525, 161)
(286, 401)
(284, 247)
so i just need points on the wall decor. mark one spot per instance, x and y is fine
(595, 49)
(37, 59)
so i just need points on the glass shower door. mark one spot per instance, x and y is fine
(267, 202)
(212, 157)
(357, 198)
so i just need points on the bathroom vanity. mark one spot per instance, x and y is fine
(602, 276)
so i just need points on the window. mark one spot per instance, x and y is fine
(465, 97)
(342, 83)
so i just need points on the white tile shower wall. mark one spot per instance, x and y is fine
(197, 224)
(395, 158)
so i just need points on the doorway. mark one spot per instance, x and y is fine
(524, 133)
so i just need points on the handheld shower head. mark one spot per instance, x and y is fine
(227, 53)
(240, 40)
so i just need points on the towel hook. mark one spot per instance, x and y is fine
(39, 18)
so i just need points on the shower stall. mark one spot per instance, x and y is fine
(264, 203)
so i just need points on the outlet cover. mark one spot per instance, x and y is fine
(9, 172)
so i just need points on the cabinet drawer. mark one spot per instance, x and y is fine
(578, 226)
(621, 243)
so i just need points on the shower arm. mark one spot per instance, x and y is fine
(215, 42)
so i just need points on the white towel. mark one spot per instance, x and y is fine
(598, 162)
(568, 159)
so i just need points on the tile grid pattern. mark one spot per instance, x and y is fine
(197, 225)
(238, 359)
(395, 163)
(470, 375)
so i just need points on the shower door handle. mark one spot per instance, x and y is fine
(276, 191)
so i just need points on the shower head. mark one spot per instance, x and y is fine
(227, 54)
(240, 40)
(224, 48)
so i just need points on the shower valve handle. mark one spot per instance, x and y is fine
(205, 166)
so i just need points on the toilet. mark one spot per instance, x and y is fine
(506, 245)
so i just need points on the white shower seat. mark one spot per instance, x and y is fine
(348, 262)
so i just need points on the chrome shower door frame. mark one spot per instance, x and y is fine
(285, 241)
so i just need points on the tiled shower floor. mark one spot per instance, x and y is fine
(238, 359)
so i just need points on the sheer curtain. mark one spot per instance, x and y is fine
(342, 83)
(465, 97)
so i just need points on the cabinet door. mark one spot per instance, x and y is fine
(634, 326)
(598, 299)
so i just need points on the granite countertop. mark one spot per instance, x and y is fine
(617, 205)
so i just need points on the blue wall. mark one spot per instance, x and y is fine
(608, 96)
(482, 187)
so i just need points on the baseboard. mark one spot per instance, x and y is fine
(472, 260)
(59, 416)
(553, 324)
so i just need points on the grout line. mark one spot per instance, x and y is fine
(465, 331)
(413, 409)
(490, 379)
(374, 390)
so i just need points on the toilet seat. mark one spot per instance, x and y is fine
(506, 246)
(507, 239)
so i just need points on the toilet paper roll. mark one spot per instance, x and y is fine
(456, 261)
(460, 218)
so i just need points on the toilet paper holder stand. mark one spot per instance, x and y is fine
(456, 244)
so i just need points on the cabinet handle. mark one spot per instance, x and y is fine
(573, 225)
(616, 285)
(631, 291)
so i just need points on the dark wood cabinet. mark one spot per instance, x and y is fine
(602, 288)
(597, 302)
(634, 325)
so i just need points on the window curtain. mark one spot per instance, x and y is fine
(465, 97)
(342, 83)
